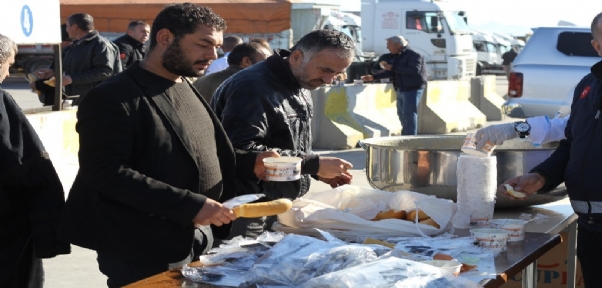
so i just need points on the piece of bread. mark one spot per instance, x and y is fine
(390, 214)
(442, 256)
(50, 82)
(411, 216)
(255, 210)
(431, 222)
(379, 242)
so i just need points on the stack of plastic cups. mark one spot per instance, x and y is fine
(477, 185)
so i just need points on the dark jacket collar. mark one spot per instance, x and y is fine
(89, 37)
(133, 41)
(278, 63)
(597, 70)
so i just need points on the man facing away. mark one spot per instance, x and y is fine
(222, 63)
(87, 62)
(131, 45)
(576, 162)
(268, 107)
(407, 69)
(31, 194)
(155, 163)
(242, 56)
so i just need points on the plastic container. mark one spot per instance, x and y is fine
(282, 169)
(492, 239)
(451, 266)
(470, 146)
(516, 227)
(482, 213)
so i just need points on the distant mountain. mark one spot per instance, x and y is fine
(514, 30)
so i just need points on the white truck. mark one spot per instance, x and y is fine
(487, 53)
(435, 29)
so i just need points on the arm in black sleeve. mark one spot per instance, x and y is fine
(125, 53)
(102, 65)
(413, 67)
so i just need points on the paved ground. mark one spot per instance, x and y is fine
(80, 269)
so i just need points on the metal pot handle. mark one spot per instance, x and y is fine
(359, 142)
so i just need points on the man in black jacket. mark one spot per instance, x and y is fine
(87, 62)
(268, 107)
(31, 194)
(131, 45)
(154, 160)
(576, 162)
(407, 69)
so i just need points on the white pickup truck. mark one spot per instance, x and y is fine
(547, 70)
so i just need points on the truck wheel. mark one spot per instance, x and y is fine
(36, 64)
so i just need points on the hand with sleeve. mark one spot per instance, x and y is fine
(343, 179)
(331, 167)
(528, 184)
(214, 213)
(259, 168)
(495, 134)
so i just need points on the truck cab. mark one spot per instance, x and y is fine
(486, 50)
(435, 29)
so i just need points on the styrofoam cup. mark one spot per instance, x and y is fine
(516, 227)
(482, 213)
(282, 169)
(491, 239)
(470, 146)
(451, 266)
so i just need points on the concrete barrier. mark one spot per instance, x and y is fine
(345, 114)
(445, 108)
(484, 96)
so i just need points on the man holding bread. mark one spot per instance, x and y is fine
(155, 163)
(268, 107)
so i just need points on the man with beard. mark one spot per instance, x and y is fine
(155, 163)
(267, 107)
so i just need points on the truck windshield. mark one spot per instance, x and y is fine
(456, 23)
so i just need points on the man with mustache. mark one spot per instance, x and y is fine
(155, 163)
(267, 107)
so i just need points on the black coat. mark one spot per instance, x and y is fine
(136, 191)
(31, 194)
(408, 71)
(130, 50)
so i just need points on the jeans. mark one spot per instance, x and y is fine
(589, 254)
(407, 110)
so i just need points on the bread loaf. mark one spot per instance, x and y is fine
(50, 82)
(431, 222)
(254, 210)
(390, 214)
(412, 215)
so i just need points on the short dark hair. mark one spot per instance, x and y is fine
(596, 33)
(83, 20)
(230, 42)
(183, 19)
(318, 40)
(244, 50)
(262, 41)
(135, 24)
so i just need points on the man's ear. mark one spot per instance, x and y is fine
(164, 37)
(596, 47)
(296, 57)
(246, 62)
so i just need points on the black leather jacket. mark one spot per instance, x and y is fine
(130, 50)
(264, 107)
(408, 72)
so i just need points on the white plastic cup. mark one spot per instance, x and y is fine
(516, 227)
(452, 266)
(470, 146)
(491, 239)
(282, 169)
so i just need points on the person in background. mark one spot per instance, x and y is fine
(241, 57)
(508, 58)
(222, 63)
(46, 92)
(407, 69)
(263, 43)
(131, 45)
(87, 62)
(576, 162)
(267, 107)
(540, 130)
(31, 194)
(154, 162)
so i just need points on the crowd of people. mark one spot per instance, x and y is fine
(159, 154)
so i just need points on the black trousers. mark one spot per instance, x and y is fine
(120, 272)
(589, 252)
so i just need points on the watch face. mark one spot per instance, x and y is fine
(522, 127)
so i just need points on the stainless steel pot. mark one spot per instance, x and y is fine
(427, 164)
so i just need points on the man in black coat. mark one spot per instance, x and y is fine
(31, 194)
(131, 45)
(155, 163)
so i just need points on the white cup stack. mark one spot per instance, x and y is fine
(477, 185)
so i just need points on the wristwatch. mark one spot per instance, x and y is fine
(522, 128)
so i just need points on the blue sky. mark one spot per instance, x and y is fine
(529, 13)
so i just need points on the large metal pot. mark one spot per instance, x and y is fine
(427, 164)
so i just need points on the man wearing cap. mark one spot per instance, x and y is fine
(407, 70)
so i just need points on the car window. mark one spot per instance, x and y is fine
(576, 44)
(420, 20)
